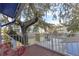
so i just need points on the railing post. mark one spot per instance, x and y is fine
(13, 41)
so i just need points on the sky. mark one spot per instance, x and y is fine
(48, 18)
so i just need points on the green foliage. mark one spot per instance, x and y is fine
(5, 36)
(11, 32)
(35, 29)
(42, 24)
(71, 35)
(37, 37)
(74, 22)
(74, 25)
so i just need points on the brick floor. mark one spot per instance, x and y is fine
(36, 50)
(33, 50)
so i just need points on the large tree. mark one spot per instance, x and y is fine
(31, 14)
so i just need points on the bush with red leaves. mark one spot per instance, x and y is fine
(11, 52)
(5, 49)
(20, 50)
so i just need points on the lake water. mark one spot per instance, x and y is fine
(72, 48)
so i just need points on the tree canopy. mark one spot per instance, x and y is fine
(33, 14)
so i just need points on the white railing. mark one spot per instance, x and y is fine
(60, 43)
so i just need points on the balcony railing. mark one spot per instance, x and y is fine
(59, 43)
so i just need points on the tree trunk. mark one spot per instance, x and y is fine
(24, 26)
(25, 36)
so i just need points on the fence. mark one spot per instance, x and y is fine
(60, 42)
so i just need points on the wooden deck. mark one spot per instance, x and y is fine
(36, 50)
